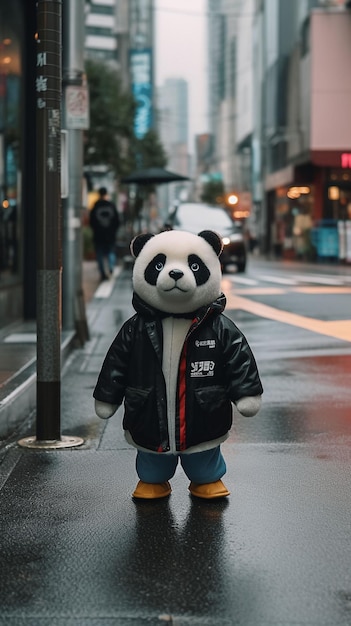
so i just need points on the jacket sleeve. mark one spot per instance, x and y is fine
(241, 372)
(111, 383)
(92, 219)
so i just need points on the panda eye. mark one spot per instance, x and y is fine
(195, 267)
(159, 266)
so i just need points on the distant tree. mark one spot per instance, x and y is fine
(149, 151)
(112, 113)
(110, 140)
(213, 192)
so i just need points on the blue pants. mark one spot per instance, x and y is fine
(105, 250)
(200, 467)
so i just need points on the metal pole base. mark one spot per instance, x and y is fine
(52, 444)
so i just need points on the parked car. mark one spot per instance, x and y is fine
(195, 217)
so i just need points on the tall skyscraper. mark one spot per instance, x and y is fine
(173, 107)
(173, 124)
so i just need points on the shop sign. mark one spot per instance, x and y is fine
(346, 159)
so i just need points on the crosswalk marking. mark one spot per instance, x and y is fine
(345, 276)
(241, 280)
(260, 291)
(321, 280)
(290, 281)
(279, 280)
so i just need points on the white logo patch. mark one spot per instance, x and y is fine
(202, 368)
(210, 343)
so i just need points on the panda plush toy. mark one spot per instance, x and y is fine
(179, 364)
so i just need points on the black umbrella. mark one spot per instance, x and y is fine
(153, 176)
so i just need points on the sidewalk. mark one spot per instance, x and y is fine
(76, 550)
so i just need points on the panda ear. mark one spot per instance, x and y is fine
(213, 239)
(138, 243)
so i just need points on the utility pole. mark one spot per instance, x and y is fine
(75, 120)
(49, 240)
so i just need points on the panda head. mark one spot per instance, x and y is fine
(176, 271)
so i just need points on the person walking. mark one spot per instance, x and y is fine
(104, 222)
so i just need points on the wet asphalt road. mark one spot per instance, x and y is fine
(75, 549)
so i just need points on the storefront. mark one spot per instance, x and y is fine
(310, 210)
(17, 132)
(332, 233)
(338, 194)
(293, 221)
(11, 84)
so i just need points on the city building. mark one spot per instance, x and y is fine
(305, 127)
(279, 73)
(173, 120)
(101, 31)
(222, 86)
(173, 128)
(230, 61)
(173, 112)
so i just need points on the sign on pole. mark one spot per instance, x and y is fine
(77, 107)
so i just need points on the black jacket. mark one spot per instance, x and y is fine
(216, 368)
(104, 221)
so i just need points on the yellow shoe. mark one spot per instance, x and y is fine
(209, 491)
(151, 491)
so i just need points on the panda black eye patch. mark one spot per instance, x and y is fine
(199, 269)
(153, 269)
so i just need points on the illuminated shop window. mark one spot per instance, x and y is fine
(10, 138)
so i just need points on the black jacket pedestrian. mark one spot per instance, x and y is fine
(209, 380)
(104, 222)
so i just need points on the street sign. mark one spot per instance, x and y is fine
(77, 107)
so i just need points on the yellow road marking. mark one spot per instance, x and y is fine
(323, 289)
(341, 329)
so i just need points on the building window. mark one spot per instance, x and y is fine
(305, 37)
(98, 30)
(104, 10)
(233, 68)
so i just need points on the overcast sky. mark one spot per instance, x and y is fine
(181, 52)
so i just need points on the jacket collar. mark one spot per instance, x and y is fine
(149, 312)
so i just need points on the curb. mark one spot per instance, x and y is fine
(20, 400)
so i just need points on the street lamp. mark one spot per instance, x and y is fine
(232, 199)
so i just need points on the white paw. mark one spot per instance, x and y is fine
(249, 405)
(105, 410)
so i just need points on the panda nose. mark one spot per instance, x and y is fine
(176, 274)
